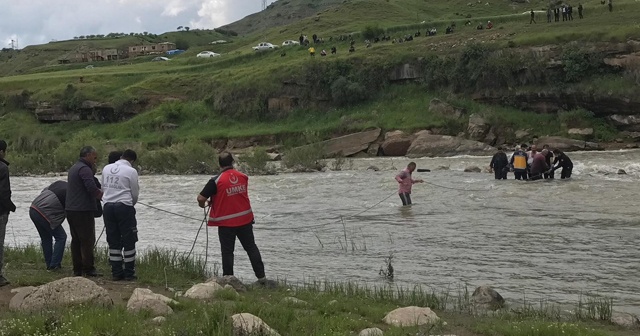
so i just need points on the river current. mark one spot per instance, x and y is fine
(536, 240)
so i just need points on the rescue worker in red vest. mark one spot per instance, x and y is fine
(519, 163)
(231, 212)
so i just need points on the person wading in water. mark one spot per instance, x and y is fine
(406, 182)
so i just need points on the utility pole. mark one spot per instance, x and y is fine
(264, 4)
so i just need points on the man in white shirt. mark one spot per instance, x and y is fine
(121, 190)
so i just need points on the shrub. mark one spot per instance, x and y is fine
(578, 65)
(371, 32)
(305, 158)
(189, 157)
(67, 153)
(257, 162)
(345, 92)
(579, 118)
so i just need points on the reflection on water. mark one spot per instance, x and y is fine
(551, 240)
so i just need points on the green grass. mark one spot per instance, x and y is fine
(332, 309)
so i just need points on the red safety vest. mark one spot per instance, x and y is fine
(230, 205)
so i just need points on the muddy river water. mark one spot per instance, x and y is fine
(539, 240)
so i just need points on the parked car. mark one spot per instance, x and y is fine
(175, 52)
(288, 43)
(207, 54)
(218, 42)
(160, 59)
(264, 46)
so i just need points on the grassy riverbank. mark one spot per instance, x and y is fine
(332, 309)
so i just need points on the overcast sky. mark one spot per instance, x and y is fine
(40, 21)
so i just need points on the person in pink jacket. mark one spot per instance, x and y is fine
(405, 182)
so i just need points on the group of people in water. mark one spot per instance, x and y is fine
(527, 163)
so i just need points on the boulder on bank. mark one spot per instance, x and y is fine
(444, 145)
(231, 281)
(440, 107)
(522, 134)
(203, 291)
(247, 324)
(371, 332)
(62, 292)
(349, 144)
(487, 297)
(626, 122)
(566, 144)
(477, 129)
(396, 143)
(144, 299)
(411, 317)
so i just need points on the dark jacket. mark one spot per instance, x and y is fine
(499, 161)
(6, 205)
(562, 160)
(539, 165)
(82, 190)
(51, 202)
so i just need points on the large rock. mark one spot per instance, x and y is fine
(371, 332)
(625, 320)
(444, 145)
(522, 134)
(487, 297)
(145, 299)
(203, 291)
(349, 144)
(229, 280)
(437, 106)
(477, 128)
(246, 324)
(473, 169)
(63, 292)
(580, 131)
(410, 317)
(566, 144)
(626, 122)
(396, 143)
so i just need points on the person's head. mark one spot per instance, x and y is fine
(89, 154)
(557, 152)
(518, 147)
(524, 146)
(545, 146)
(534, 148)
(3, 149)
(225, 159)
(114, 156)
(544, 152)
(129, 155)
(411, 166)
(500, 149)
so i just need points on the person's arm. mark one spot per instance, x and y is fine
(209, 190)
(135, 187)
(86, 174)
(493, 162)
(5, 190)
(401, 176)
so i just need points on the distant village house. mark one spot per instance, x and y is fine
(94, 56)
(146, 49)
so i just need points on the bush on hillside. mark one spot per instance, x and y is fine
(579, 65)
(371, 32)
(345, 92)
(189, 157)
(256, 162)
(68, 152)
(182, 44)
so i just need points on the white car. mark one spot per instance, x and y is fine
(207, 54)
(264, 46)
(218, 42)
(290, 43)
(160, 59)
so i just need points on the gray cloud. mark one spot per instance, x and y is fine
(40, 21)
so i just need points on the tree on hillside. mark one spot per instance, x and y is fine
(132, 34)
(179, 28)
(75, 37)
(182, 44)
(186, 28)
(81, 37)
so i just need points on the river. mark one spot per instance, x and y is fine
(539, 240)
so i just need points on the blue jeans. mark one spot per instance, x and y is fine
(53, 253)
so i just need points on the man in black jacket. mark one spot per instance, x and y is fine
(82, 193)
(499, 164)
(6, 205)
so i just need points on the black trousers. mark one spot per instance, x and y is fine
(227, 236)
(122, 234)
(549, 175)
(82, 225)
(566, 172)
(500, 173)
(520, 174)
(405, 198)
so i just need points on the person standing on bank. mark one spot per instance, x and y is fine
(121, 190)
(47, 214)
(6, 205)
(227, 194)
(82, 193)
(406, 182)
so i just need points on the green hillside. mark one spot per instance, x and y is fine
(205, 100)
